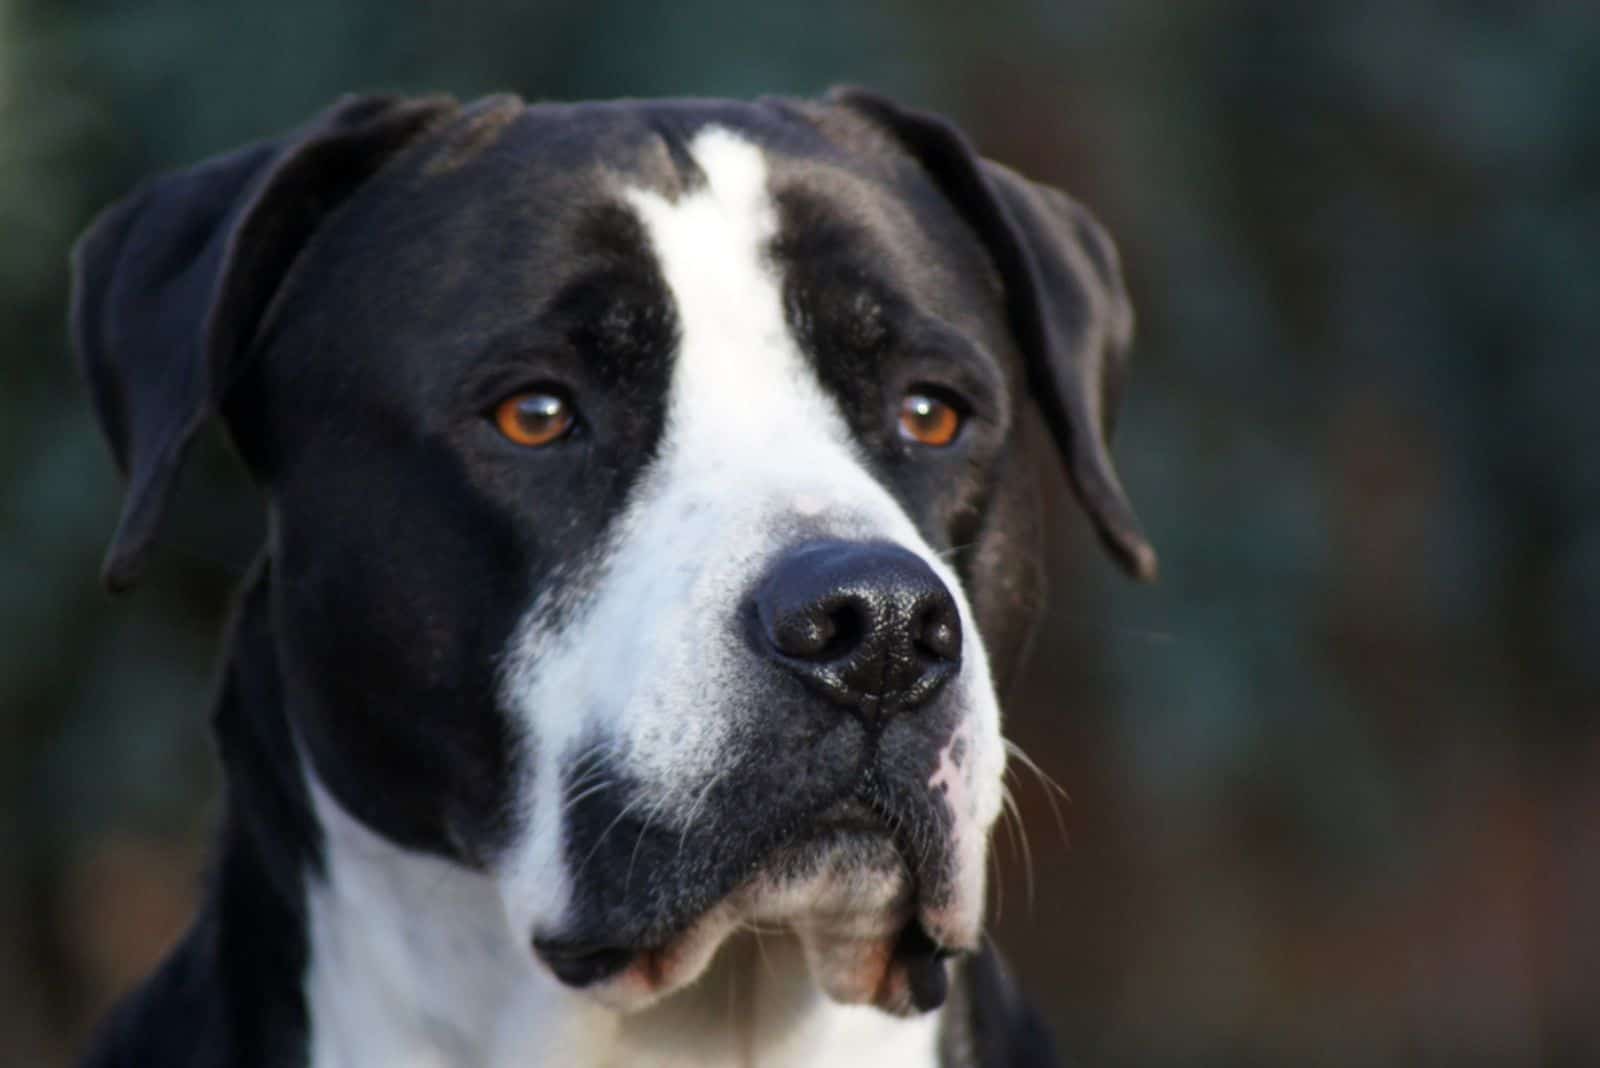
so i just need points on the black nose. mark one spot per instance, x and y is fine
(866, 624)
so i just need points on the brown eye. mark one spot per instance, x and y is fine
(927, 420)
(533, 418)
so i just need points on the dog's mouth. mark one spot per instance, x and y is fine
(846, 891)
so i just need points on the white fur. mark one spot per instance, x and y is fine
(417, 962)
(413, 966)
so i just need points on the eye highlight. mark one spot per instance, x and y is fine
(928, 419)
(534, 417)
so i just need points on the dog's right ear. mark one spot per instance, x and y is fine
(170, 285)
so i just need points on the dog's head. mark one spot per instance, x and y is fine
(649, 520)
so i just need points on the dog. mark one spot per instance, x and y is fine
(651, 528)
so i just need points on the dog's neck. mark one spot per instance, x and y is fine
(384, 956)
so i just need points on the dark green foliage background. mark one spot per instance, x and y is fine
(1335, 781)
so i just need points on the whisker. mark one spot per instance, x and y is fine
(592, 761)
(993, 862)
(761, 949)
(598, 842)
(945, 554)
(1052, 788)
(1152, 635)
(655, 810)
(1013, 816)
(694, 811)
(589, 791)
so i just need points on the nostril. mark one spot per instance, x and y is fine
(823, 629)
(804, 635)
(938, 630)
(826, 630)
(848, 622)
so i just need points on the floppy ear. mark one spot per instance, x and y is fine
(170, 284)
(1065, 300)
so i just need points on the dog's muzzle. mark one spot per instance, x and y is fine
(835, 823)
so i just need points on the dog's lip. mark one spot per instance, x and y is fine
(910, 973)
(579, 963)
(923, 960)
(896, 962)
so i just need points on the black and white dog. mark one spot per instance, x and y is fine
(649, 526)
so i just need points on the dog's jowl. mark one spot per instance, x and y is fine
(651, 532)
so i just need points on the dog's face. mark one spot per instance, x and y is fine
(645, 482)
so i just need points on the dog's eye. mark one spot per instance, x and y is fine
(928, 419)
(533, 417)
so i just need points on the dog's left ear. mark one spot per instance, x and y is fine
(170, 284)
(1065, 299)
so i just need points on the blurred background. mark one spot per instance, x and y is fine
(1335, 781)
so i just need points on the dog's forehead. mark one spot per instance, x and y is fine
(487, 220)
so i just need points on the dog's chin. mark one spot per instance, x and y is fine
(847, 896)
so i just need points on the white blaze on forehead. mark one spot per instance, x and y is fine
(753, 451)
(740, 379)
